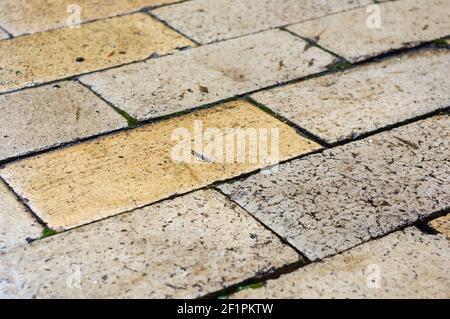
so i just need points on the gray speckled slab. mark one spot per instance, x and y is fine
(326, 203)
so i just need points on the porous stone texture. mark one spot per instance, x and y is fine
(442, 225)
(207, 74)
(16, 224)
(38, 118)
(211, 20)
(61, 53)
(326, 203)
(119, 172)
(181, 248)
(358, 35)
(405, 264)
(347, 104)
(25, 16)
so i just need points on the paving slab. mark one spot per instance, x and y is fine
(205, 21)
(3, 35)
(356, 36)
(119, 172)
(181, 248)
(405, 264)
(39, 118)
(442, 225)
(16, 224)
(61, 53)
(23, 16)
(326, 203)
(207, 74)
(347, 104)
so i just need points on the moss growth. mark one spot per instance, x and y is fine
(47, 232)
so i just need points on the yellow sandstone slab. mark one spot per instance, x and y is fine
(117, 173)
(25, 16)
(53, 55)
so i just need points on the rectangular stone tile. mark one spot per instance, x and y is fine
(25, 16)
(210, 20)
(116, 173)
(207, 74)
(442, 225)
(182, 248)
(355, 34)
(38, 118)
(405, 264)
(346, 104)
(16, 224)
(57, 54)
(326, 203)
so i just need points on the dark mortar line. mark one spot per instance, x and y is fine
(9, 34)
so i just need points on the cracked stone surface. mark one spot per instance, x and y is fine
(182, 248)
(16, 224)
(405, 264)
(355, 34)
(346, 104)
(442, 225)
(61, 53)
(38, 118)
(326, 203)
(205, 21)
(207, 74)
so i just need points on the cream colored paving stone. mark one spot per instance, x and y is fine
(57, 54)
(404, 23)
(208, 74)
(16, 224)
(116, 173)
(210, 20)
(405, 264)
(346, 104)
(38, 118)
(25, 16)
(186, 247)
(442, 225)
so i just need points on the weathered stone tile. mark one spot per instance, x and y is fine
(38, 118)
(405, 264)
(16, 224)
(61, 53)
(24, 16)
(326, 203)
(116, 173)
(207, 74)
(3, 35)
(205, 20)
(442, 225)
(182, 248)
(354, 34)
(346, 104)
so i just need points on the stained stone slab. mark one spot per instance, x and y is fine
(38, 118)
(205, 20)
(24, 16)
(119, 172)
(16, 224)
(347, 104)
(182, 248)
(326, 203)
(61, 53)
(403, 24)
(405, 264)
(207, 74)
(442, 225)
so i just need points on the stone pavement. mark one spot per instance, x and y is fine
(224, 148)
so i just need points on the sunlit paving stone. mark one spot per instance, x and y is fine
(53, 55)
(442, 225)
(363, 33)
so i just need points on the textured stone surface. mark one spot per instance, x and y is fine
(360, 100)
(116, 173)
(61, 53)
(16, 224)
(329, 202)
(442, 225)
(207, 74)
(25, 16)
(410, 264)
(182, 248)
(205, 20)
(3, 35)
(403, 24)
(38, 118)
